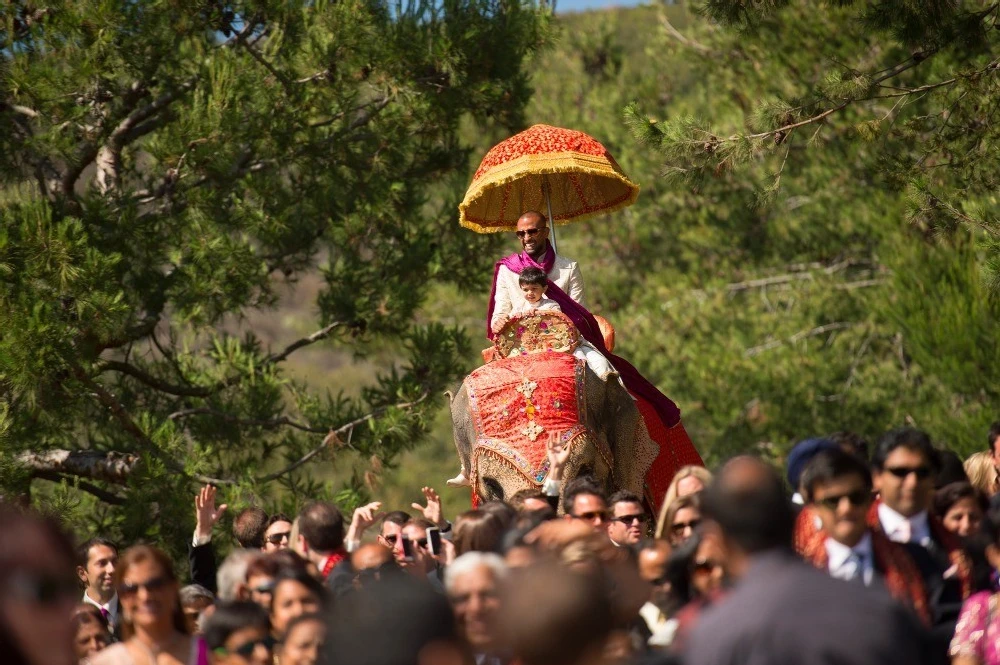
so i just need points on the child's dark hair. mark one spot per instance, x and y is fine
(533, 276)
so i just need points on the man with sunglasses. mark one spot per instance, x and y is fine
(627, 525)
(904, 464)
(838, 487)
(585, 501)
(537, 252)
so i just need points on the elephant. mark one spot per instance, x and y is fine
(504, 412)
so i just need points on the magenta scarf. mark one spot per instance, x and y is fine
(585, 322)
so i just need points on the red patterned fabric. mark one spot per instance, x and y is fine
(541, 140)
(949, 541)
(332, 561)
(902, 577)
(517, 403)
(676, 450)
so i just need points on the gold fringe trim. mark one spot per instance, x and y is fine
(549, 164)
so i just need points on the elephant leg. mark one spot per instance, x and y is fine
(462, 430)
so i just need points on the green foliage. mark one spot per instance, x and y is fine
(168, 171)
(830, 222)
(921, 78)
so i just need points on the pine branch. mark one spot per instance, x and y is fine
(686, 41)
(138, 123)
(799, 336)
(334, 435)
(207, 391)
(153, 382)
(107, 497)
(272, 423)
(129, 425)
(110, 466)
(320, 334)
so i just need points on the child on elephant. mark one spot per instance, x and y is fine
(534, 283)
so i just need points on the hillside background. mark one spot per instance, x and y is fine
(768, 316)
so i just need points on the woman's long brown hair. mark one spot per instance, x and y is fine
(141, 554)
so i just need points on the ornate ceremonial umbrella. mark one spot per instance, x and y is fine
(568, 172)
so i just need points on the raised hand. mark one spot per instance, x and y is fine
(364, 517)
(558, 454)
(432, 511)
(206, 514)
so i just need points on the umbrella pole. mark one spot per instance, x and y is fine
(548, 205)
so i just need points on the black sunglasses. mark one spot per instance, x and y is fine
(247, 648)
(276, 538)
(641, 518)
(857, 498)
(41, 588)
(592, 516)
(904, 471)
(151, 586)
(680, 526)
(528, 232)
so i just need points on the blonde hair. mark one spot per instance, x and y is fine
(981, 472)
(664, 527)
(699, 472)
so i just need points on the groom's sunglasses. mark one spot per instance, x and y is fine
(529, 232)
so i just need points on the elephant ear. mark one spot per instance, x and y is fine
(628, 438)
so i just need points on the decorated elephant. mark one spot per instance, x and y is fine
(506, 411)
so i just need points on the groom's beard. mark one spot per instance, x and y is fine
(539, 252)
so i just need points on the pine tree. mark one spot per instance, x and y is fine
(167, 168)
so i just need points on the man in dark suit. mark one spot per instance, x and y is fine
(904, 464)
(782, 610)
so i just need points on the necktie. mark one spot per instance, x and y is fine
(106, 615)
(859, 569)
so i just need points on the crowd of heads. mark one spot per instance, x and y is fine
(564, 577)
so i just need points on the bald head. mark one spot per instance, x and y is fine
(533, 233)
(744, 472)
(532, 216)
(747, 500)
(370, 556)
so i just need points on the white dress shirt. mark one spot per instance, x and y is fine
(901, 529)
(848, 563)
(111, 608)
(662, 628)
(565, 274)
(543, 305)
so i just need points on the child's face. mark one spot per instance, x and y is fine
(532, 292)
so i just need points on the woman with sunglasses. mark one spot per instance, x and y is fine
(682, 518)
(239, 633)
(295, 593)
(696, 577)
(38, 591)
(153, 628)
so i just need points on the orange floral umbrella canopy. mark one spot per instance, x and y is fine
(584, 180)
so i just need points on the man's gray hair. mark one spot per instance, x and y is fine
(233, 572)
(193, 592)
(469, 562)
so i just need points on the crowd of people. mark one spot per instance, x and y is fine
(887, 555)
